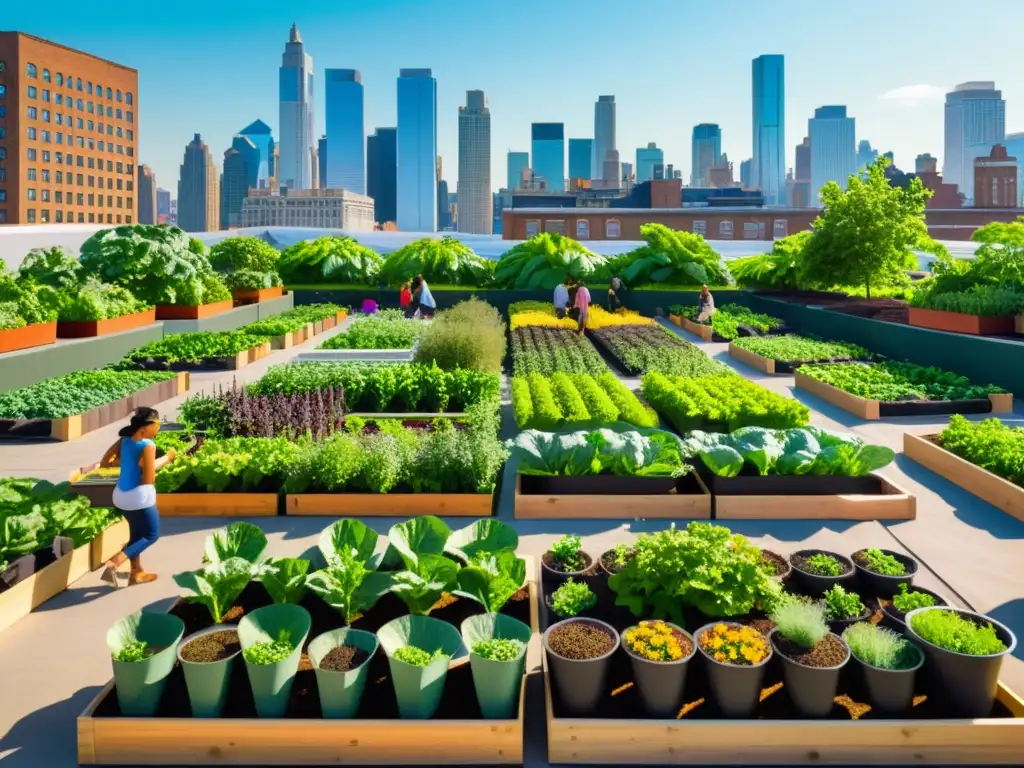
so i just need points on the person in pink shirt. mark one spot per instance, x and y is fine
(582, 304)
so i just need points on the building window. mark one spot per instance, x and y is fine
(109, 93)
(3, 216)
(32, 174)
(46, 75)
(60, 79)
(3, 195)
(44, 216)
(46, 94)
(128, 98)
(58, 196)
(3, 111)
(30, 193)
(582, 229)
(532, 228)
(31, 154)
(88, 88)
(31, 71)
(31, 133)
(700, 228)
(33, 113)
(110, 218)
(79, 106)
(88, 107)
(32, 92)
(46, 176)
(750, 229)
(81, 218)
(129, 117)
(79, 199)
(60, 217)
(92, 218)
(46, 196)
(779, 229)
(30, 215)
(612, 229)
(78, 83)
(3, 133)
(555, 225)
(725, 229)
(3, 90)
(46, 115)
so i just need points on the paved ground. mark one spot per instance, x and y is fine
(54, 661)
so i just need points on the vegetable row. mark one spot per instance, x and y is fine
(544, 402)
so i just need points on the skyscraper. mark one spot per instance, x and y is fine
(517, 163)
(163, 204)
(803, 160)
(198, 198)
(604, 134)
(382, 173)
(296, 109)
(346, 132)
(548, 148)
(259, 134)
(417, 151)
(975, 114)
(768, 171)
(927, 164)
(321, 159)
(476, 205)
(747, 173)
(833, 149)
(866, 156)
(614, 173)
(147, 195)
(706, 152)
(581, 152)
(646, 158)
(233, 187)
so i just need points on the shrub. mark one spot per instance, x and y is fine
(543, 261)
(778, 269)
(470, 335)
(94, 300)
(446, 262)
(329, 259)
(671, 256)
(244, 253)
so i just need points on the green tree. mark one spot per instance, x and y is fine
(1000, 253)
(867, 234)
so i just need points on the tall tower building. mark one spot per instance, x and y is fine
(147, 196)
(866, 156)
(747, 173)
(296, 124)
(260, 135)
(706, 152)
(517, 163)
(614, 172)
(1015, 147)
(803, 160)
(926, 163)
(163, 204)
(198, 197)
(581, 152)
(646, 158)
(768, 171)
(975, 115)
(476, 203)
(548, 148)
(321, 160)
(417, 151)
(241, 162)
(346, 132)
(604, 134)
(833, 149)
(382, 173)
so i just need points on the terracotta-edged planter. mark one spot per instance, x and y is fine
(497, 683)
(192, 312)
(272, 683)
(813, 584)
(553, 575)
(341, 692)
(140, 684)
(736, 688)
(580, 682)
(957, 322)
(891, 691)
(878, 585)
(419, 689)
(82, 329)
(256, 295)
(967, 683)
(896, 620)
(35, 335)
(207, 681)
(660, 683)
(811, 689)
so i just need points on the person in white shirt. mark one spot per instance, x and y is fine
(561, 298)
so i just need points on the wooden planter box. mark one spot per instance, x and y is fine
(226, 363)
(998, 492)
(107, 544)
(23, 597)
(254, 354)
(703, 331)
(1018, 324)
(597, 505)
(388, 504)
(292, 338)
(74, 329)
(27, 336)
(747, 357)
(956, 322)
(188, 312)
(255, 296)
(872, 410)
(217, 504)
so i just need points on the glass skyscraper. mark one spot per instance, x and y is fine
(476, 204)
(646, 158)
(517, 163)
(417, 151)
(706, 149)
(259, 134)
(346, 132)
(604, 136)
(296, 108)
(581, 153)
(381, 173)
(975, 115)
(833, 149)
(548, 147)
(769, 163)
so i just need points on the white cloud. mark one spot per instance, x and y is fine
(914, 95)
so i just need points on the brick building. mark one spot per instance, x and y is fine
(68, 135)
(995, 180)
(946, 195)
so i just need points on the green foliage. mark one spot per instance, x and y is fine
(208, 289)
(572, 598)
(880, 647)
(134, 651)
(388, 329)
(25, 303)
(950, 630)
(821, 564)
(234, 464)
(491, 579)
(329, 259)
(643, 348)
(800, 349)
(292, 320)
(618, 449)
(499, 649)
(269, 652)
(446, 262)
(567, 552)
(350, 583)
(192, 347)
(840, 604)
(544, 350)
(54, 267)
(546, 403)
(543, 261)
(673, 257)
(417, 657)
(906, 600)
(989, 444)
(93, 300)
(728, 318)
(250, 280)
(239, 539)
(76, 392)
(244, 253)
(217, 586)
(889, 381)
(778, 269)
(427, 574)
(10, 317)
(801, 623)
(881, 563)
(517, 307)
(984, 300)
(205, 413)
(470, 335)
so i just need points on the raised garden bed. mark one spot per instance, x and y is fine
(611, 497)
(192, 312)
(35, 335)
(256, 295)
(704, 332)
(21, 599)
(355, 355)
(108, 543)
(957, 322)
(1000, 493)
(217, 504)
(82, 329)
(225, 363)
(865, 408)
(389, 504)
(774, 367)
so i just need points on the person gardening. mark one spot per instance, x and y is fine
(705, 306)
(423, 298)
(405, 295)
(616, 294)
(135, 493)
(582, 303)
(561, 298)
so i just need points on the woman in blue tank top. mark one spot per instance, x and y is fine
(135, 494)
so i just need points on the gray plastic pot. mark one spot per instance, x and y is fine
(207, 682)
(272, 683)
(891, 690)
(419, 689)
(878, 585)
(341, 692)
(815, 585)
(736, 687)
(967, 684)
(580, 683)
(557, 577)
(140, 684)
(660, 683)
(497, 683)
(811, 689)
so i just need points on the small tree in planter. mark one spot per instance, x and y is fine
(812, 657)
(889, 663)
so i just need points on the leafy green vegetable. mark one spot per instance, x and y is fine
(572, 598)
(905, 600)
(238, 539)
(74, 393)
(950, 630)
(349, 585)
(329, 259)
(53, 266)
(800, 349)
(879, 562)
(880, 647)
(543, 261)
(491, 580)
(499, 649)
(824, 565)
(445, 262)
(545, 350)
(217, 585)
(671, 256)
(244, 253)
(192, 347)
(269, 652)
(840, 604)
(989, 444)
(729, 317)
(285, 579)
(643, 348)
(417, 657)
(420, 545)
(890, 381)
(388, 329)
(134, 651)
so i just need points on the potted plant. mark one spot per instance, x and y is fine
(565, 560)
(965, 652)
(904, 601)
(812, 657)
(816, 570)
(579, 653)
(497, 656)
(207, 658)
(736, 657)
(882, 571)
(775, 565)
(272, 638)
(420, 650)
(571, 599)
(142, 651)
(660, 655)
(341, 660)
(889, 663)
(615, 559)
(844, 608)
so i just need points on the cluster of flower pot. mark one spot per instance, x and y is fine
(341, 615)
(822, 624)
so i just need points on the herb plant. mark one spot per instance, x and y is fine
(76, 392)
(191, 348)
(880, 647)
(269, 652)
(539, 402)
(572, 598)
(727, 319)
(545, 350)
(990, 444)
(841, 604)
(801, 623)
(906, 600)
(893, 381)
(388, 329)
(644, 348)
(566, 552)
(879, 562)
(499, 649)
(470, 336)
(417, 657)
(800, 349)
(821, 564)
(950, 630)
(136, 650)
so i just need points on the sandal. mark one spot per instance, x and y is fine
(141, 577)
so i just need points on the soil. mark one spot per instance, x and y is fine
(580, 640)
(778, 563)
(802, 562)
(212, 647)
(555, 564)
(830, 651)
(609, 564)
(343, 658)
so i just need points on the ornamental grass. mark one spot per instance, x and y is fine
(734, 644)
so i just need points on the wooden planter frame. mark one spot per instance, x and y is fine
(704, 332)
(864, 408)
(84, 329)
(192, 312)
(985, 485)
(107, 544)
(217, 504)
(388, 504)
(745, 356)
(25, 596)
(308, 331)
(957, 322)
(28, 336)
(683, 506)
(243, 296)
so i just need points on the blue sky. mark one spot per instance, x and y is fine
(211, 67)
